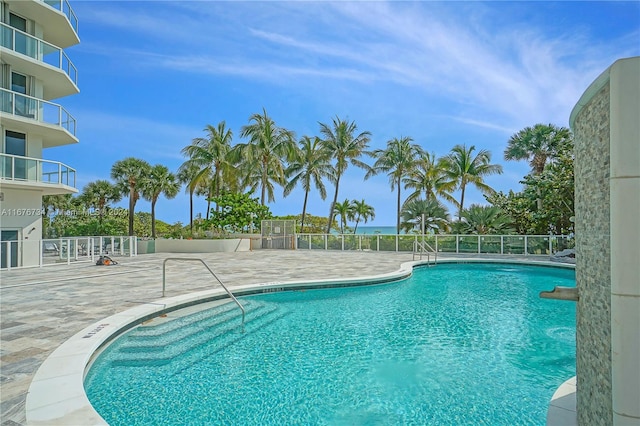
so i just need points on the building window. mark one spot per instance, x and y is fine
(18, 22)
(15, 144)
(25, 107)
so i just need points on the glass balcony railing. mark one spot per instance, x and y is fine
(26, 169)
(64, 7)
(541, 245)
(37, 49)
(36, 109)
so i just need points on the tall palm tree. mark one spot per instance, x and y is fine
(346, 148)
(129, 175)
(435, 214)
(538, 144)
(397, 160)
(161, 181)
(345, 211)
(309, 164)
(212, 156)
(362, 211)
(264, 156)
(99, 194)
(429, 176)
(187, 174)
(464, 168)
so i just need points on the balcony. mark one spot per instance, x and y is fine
(56, 17)
(51, 177)
(40, 59)
(35, 116)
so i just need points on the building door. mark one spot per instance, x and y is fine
(24, 106)
(15, 144)
(8, 244)
(22, 42)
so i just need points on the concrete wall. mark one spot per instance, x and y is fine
(244, 243)
(607, 169)
(20, 211)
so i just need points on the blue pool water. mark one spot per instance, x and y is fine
(454, 344)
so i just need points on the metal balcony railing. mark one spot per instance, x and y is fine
(64, 7)
(37, 109)
(37, 49)
(27, 169)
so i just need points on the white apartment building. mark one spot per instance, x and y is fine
(34, 70)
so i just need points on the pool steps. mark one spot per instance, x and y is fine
(209, 331)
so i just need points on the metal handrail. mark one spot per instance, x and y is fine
(197, 259)
(421, 246)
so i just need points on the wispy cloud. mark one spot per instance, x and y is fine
(485, 125)
(119, 135)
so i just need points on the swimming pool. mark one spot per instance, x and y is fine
(463, 344)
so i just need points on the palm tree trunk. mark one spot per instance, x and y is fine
(355, 229)
(217, 184)
(304, 210)
(539, 199)
(333, 205)
(191, 212)
(208, 202)
(132, 206)
(462, 188)
(398, 211)
(264, 183)
(100, 213)
(153, 218)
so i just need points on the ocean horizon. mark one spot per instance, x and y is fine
(388, 230)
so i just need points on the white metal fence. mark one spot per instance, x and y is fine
(38, 253)
(458, 244)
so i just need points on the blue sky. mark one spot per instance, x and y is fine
(152, 74)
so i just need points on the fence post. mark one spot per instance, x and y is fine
(457, 244)
(41, 256)
(526, 246)
(326, 238)
(8, 251)
(342, 238)
(550, 244)
(478, 244)
(501, 244)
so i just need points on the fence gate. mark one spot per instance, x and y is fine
(278, 234)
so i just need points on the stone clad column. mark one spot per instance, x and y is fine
(625, 240)
(606, 125)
